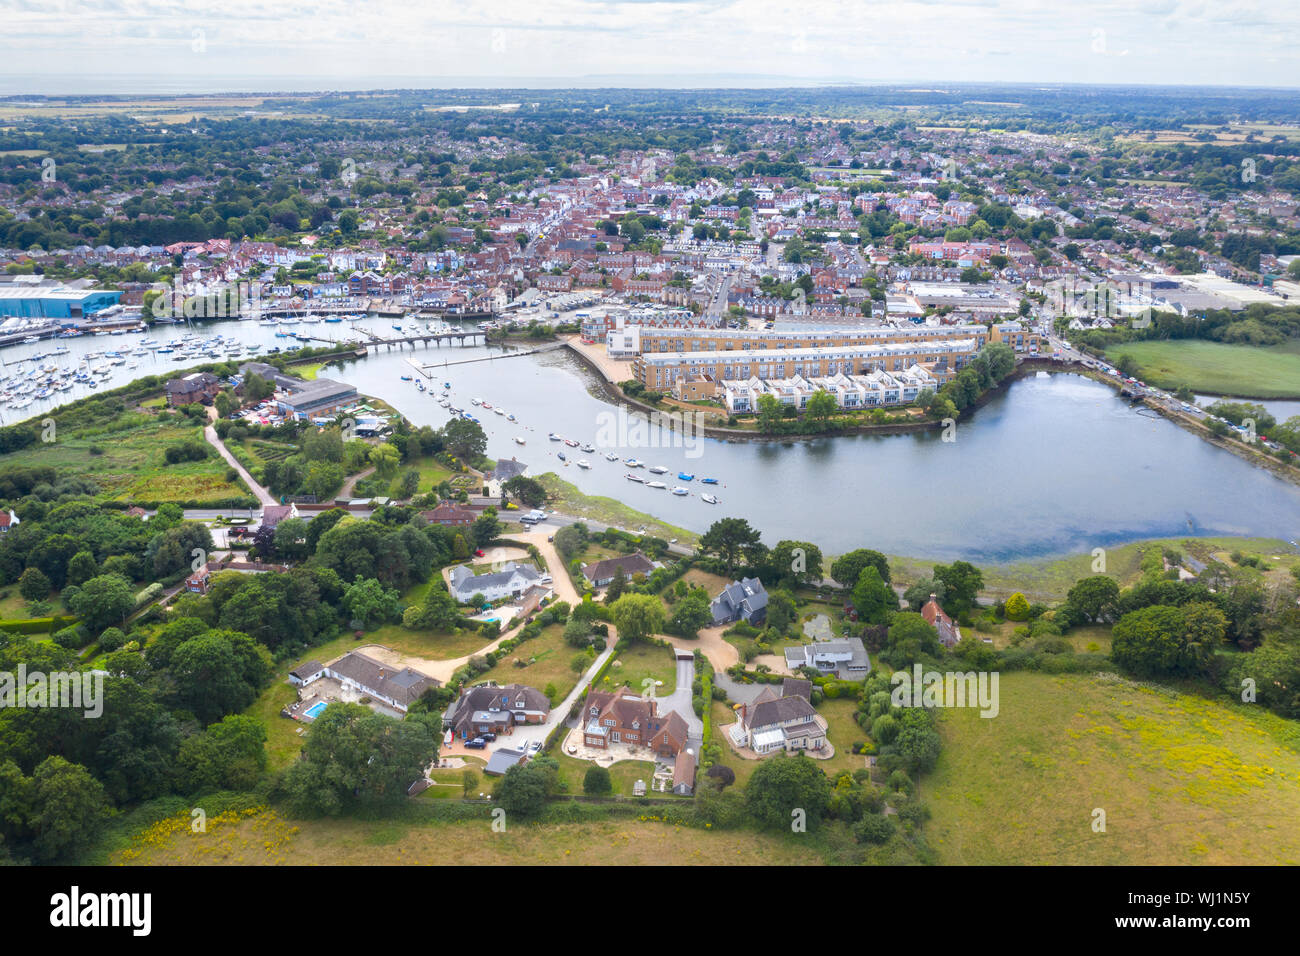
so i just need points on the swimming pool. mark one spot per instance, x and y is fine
(315, 709)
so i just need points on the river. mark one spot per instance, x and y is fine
(1055, 464)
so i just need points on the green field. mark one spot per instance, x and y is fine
(1217, 369)
(125, 457)
(1182, 779)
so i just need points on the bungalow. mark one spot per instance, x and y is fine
(489, 708)
(512, 580)
(623, 717)
(743, 600)
(770, 723)
(603, 572)
(846, 657)
(396, 687)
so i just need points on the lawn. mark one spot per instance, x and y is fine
(1216, 368)
(1181, 779)
(622, 774)
(637, 663)
(546, 658)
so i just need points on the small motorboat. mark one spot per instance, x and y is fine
(682, 476)
(560, 455)
(554, 437)
(708, 481)
(658, 470)
(611, 457)
(499, 410)
(633, 463)
(656, 484)
(709, 499)
(486, 405)
(589, 448)
(637, 478)
(406, 378)
(583, 463)
(571, 443)
(518, 440)
(679, 490)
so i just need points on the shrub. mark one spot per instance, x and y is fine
(596, 781)
(111, 639)
(874, 829)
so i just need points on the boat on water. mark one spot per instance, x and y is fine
(655, 484)
(682, 476)
(611, 457)
(633, 463)
(589, 448)
(637, 478)
(499, 410)
(679, 490)
(658, 470)
(709, 499)
(406, 378)
(518, 440)
(554, 437)
(486, 405)
(560, 455)
(511, 418)
(583, 463)
(476, 401)
(571, 443)
(708, 481)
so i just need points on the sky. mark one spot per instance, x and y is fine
(64, 46)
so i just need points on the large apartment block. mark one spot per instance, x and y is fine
(693, 375)
(722, 340)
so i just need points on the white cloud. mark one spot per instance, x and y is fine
(1240, 42)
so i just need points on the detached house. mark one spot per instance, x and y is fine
(494, 709)
(949, 632)
(198, 387)
(512, 580)
(847, 658)
(623, 717)
(602, 573)
(770, 723)
(743, 600)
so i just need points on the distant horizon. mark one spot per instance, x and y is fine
(14, 84)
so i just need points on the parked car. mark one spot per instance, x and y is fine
(534, 747)
(488, 736)
(478, 743)
(478, 553)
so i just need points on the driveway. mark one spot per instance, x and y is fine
(210, 434)
(680, 701)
